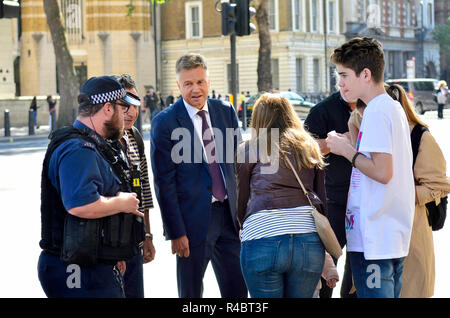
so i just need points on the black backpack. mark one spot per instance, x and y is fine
(436, 213)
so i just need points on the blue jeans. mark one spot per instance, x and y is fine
(376, 278)
(283, 266)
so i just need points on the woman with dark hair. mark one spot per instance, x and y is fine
(282, 254)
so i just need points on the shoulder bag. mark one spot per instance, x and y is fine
(323, 227)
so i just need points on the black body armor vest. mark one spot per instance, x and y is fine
(87, 241)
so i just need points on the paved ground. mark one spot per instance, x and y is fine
(20, 169)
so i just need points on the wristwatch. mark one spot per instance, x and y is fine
(149, 235)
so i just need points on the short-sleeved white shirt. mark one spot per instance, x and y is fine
(380, 216)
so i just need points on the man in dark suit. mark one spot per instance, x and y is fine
(195, 184)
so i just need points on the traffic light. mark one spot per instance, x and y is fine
(228, 17)
(243, 14)
(9, 9)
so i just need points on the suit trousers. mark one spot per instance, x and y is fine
(222, 247)
(134, 277)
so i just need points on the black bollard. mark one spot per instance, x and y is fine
(30, 122)
(7, 124)
(138, 122)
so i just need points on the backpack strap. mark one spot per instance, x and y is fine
(416, 136)
(139, 141)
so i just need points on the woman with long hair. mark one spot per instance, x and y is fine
(431, 184)
(282, 254)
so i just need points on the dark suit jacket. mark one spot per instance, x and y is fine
(184, 187)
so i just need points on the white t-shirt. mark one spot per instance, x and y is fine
(380, 216)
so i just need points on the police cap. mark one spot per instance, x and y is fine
(102, 89)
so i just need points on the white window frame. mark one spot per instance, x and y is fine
(275, 70)
(408, 13)
(317, 75)
(430, 10)
(303, 74)
(319, 16)
(302, 17)
(276, 15)
(188, 18)
(336, 16)
(393, 12)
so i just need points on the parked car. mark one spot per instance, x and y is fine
(420, 92)
(301, 105)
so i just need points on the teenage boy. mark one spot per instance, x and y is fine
(380, 205)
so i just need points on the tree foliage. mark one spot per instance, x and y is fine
(441, 34)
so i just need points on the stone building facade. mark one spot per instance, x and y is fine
(102, 40)
(298, 47)
(404, 27)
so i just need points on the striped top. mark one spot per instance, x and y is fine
(267, 223)
(133, 154)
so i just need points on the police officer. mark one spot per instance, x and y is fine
(80, 193)
(133, 145)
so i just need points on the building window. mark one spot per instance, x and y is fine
(394, 12)
(296, 17)
(72, 12)
(430, 14)
(273, 15)
(274, 68)
(299, 74)
(229, 77)
(193, 12)
(316, 74)
(408, 13)
(332, 16)
(314, 15)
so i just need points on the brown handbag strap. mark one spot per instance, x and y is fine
(296, 175)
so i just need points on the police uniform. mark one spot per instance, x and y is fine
(75, 174)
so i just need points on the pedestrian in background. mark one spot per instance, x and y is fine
(441, 96)
(151, 103)
(170, 99)
(34, 107)
(52, 111)
(197, 195)
(282, 255)
(133, 146)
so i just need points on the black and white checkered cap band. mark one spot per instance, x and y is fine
(108, 97)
